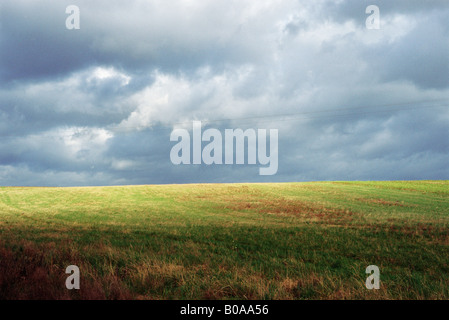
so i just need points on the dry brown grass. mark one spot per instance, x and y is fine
(30, 272)
(287, 207)
(385, 202)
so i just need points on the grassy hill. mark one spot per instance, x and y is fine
(227, 241)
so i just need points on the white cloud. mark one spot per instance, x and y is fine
(102, 74)
(203, 96)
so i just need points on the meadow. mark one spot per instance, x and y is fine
(227, 241)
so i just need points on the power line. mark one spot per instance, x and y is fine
(318, 114)
(290, 116)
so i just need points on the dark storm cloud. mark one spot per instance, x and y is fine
(36, 44)
(96, 106)
(41, 106)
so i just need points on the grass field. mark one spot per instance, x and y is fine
(227, 241)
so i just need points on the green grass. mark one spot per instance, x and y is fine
(227, 241)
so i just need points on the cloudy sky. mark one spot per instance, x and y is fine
(96, 106)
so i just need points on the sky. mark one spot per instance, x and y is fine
(96, 105)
